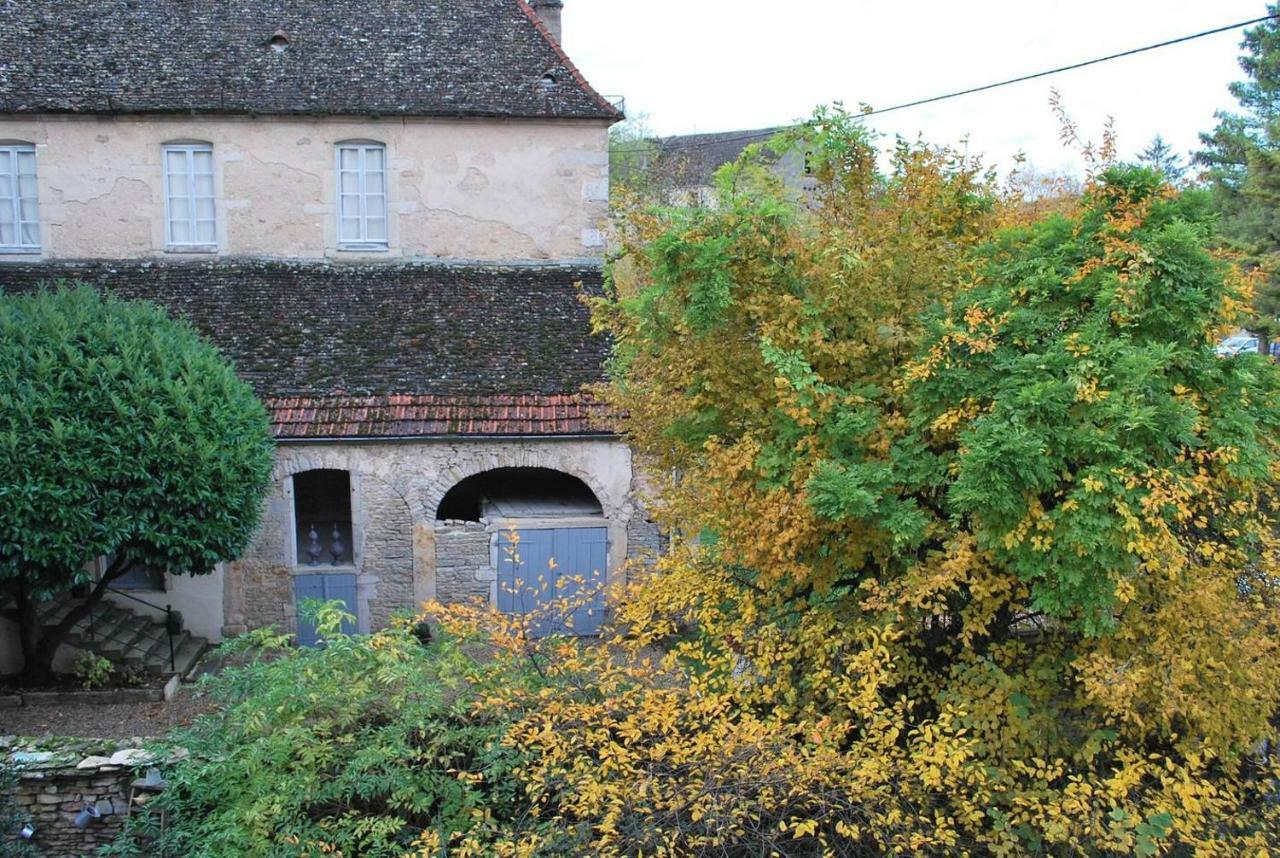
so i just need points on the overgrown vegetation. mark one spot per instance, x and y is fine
(985, 560)
(123, 435)
(351, 749)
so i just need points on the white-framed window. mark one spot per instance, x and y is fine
(190, 221)
(362, 195)
(19, 217)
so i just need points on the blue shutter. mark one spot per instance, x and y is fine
(533, 586)
(307, 587)
(328, 588)
(342, 588)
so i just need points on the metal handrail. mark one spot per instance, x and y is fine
(169, 622)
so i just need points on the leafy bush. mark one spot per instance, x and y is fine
(92, 670)
(356, 748)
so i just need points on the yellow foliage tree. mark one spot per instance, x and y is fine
(975, 536)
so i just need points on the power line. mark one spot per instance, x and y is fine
(1023, 78)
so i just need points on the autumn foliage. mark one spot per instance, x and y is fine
(974, 534)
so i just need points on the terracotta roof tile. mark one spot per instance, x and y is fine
(427, 415)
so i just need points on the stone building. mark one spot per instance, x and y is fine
(385, 214)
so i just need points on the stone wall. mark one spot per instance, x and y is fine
(54, 785)
(464, 567)
(403, 555)
(460, 189)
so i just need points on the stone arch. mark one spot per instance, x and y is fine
(448, 477)
(555, 492)
(342, 458)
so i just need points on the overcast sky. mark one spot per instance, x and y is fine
(721, 65)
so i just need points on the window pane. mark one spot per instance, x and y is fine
(175, 161)
(6, 161)
(27, 210)
(6, 188)
(179, 209)
(374, 183)
(27, 187)
(204, 208)
(204, 185)
(30, 234)
(376, 206)
(178, 185)
(350, 183)
(7, 234)
(373, 158)
(348, 159)
(181, 232)
(350, 229)
(206, 232)
(377, 229)
(27, 163)
(202, 161)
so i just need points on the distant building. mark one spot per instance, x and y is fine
(684, 167)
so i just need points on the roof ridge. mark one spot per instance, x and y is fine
(578, 76)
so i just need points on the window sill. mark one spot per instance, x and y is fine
(195, 248)
(20, 251)
(364, 248)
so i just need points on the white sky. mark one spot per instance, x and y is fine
(723, 65)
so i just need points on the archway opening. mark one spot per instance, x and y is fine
(322, 515)
(519, 493)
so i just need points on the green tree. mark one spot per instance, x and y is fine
(1160, 157)
(1241, 157)
(124, 435)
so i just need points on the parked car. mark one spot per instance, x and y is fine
(1235, 345)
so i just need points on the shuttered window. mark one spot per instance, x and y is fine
(190, 218)
(19, 219)
(362, 195)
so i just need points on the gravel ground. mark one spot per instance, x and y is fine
(105, 721)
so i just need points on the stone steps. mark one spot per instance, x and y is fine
(128, 638)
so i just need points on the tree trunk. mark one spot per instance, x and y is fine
(33, 672)
(40, 645)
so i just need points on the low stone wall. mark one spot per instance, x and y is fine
(55, 782)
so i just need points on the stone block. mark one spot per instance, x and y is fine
(93, 762)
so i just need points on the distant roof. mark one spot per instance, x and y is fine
(411, 349)
(692, 159)
(360, 57)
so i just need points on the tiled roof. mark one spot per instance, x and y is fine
(427, 415)
(388, 350)
(358, 57)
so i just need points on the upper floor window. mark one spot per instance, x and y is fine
(362, 195)
(190, 222)
(19, 221)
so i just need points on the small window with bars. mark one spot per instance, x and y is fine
(190, 217)
(19, 219)
(362, 196)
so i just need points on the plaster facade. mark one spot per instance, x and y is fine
(403, 555)
(467, 189)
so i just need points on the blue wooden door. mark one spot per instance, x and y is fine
(326, 588)
(533, 584)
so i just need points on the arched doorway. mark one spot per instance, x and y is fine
(325, 566)
(545, 538)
